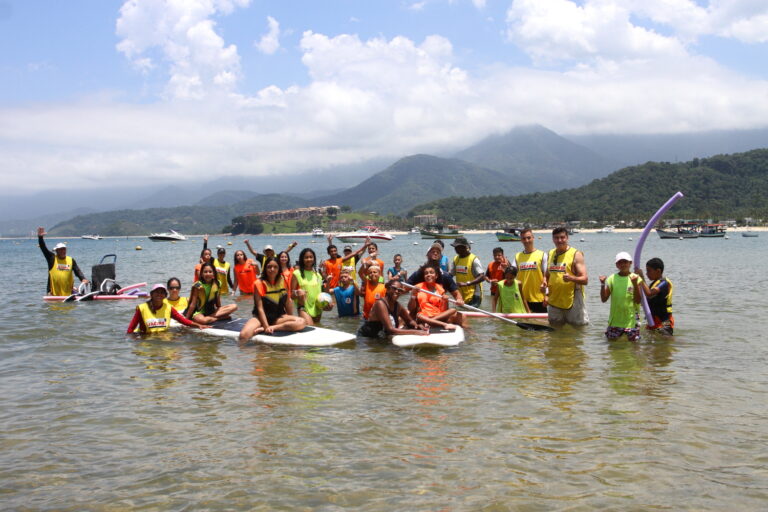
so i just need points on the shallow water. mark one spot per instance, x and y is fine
(510, 420)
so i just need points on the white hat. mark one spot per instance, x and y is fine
(268, 248)
(60, 245)
(623, 256)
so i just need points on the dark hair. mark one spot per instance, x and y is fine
(391, 283)
(289, 259)
(373, 244)
(203, 252)
(245, 258)
(396, 255)
(655, 263)
(207, 264)
(267, 261)
(331, 246)
(301, 259)
(558, 230)
(168, 284)
(511, 268)
(526, 230)
(498, 250)
(442, 244)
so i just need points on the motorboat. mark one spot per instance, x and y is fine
(606, 229)
(509, 235)
(414, 231)
(364, 233)
(318, 233)
(441, 232)
(170, 236)
(92, 237)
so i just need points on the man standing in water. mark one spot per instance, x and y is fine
(531, 264)
(61, 268)
(565, 277)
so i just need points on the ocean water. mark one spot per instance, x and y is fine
(92, 419)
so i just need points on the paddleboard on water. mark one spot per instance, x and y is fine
(475, 314)
(307, 337)
(55, 298)
(437, 338)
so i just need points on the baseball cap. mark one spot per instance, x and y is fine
(60, 245)
(158, 286)
(347, 247)
(268, 248)
(460, 241)
(435, 246)
(623, 256)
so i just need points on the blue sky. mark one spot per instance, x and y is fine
(99, 91)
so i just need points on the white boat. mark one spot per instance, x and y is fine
(170, 236)
(92, 237)
(365, 232)
(606, 229)
(414, 231)
(318, 232)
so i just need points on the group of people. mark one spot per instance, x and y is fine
(289, 297)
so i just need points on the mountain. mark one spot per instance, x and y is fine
(722, 186)
(538, 159)
(416, 179)
(637, 149)
(225, 197)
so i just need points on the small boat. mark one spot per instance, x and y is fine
(92, 237)
(441, 232)
(681, 231)
(509, 235)
(318, 233)
(606, 229)
(712, 231)
(170, 236)
(749, 234)
(363, 233)
(414, 231)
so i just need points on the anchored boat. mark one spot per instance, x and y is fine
(683, 230)
(170, 236)
(509, 235)
(442, 232)
(712, 231)
(363, 233)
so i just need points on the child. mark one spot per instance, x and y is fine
(509, 295)
(371, 259)
(372, 290)
(623, 288)
(495, 273)
(397, 272)
(346, 295)
(659, 296)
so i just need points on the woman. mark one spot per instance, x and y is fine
(178, 302)
(387, 313)
(155, 315)
(246, 271)
(205, 300)
(284, 259)
(306, 285)
(272, 305)
(434, 310)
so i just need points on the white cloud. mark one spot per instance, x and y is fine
(270, 42)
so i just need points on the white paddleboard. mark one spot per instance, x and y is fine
(475, 314)
(307, 337)
(436, 338)
(56, 298)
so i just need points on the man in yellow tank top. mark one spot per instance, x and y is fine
(61, 268)
(564, 282)
(468, 272)
(531, 264)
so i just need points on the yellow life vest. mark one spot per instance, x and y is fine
(61, 276)
(222, 270)
(155, 321)
(179, 304)
(561, 293)
(463, 267)
(206, 303)
(349, 266)
(531, 274)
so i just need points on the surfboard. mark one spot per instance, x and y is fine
(307, 337)
(474, 314)
(437, 338)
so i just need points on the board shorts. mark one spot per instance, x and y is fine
(614, 333)
(537, 307)
(577, 315)
(665, 327)
(371, 329)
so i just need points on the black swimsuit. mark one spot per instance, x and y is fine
(374, 328)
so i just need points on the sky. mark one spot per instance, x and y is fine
(103, 92)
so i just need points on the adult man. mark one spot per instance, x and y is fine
(61, 268)
(468, 271)
(566, 277)
(531, 264)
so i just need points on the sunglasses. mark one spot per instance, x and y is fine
(174, 287)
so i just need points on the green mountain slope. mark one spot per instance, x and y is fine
(717, 187)
(416, 179)
(538, 159)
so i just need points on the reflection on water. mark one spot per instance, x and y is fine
(641, 368)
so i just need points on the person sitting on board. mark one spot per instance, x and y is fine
(246, 271)
(223, 273)
(179, 302)
(623, 288)
(205, 300)
(468, 272)
(495, 273)
(565, 278)
(531, 263)
(387, 315)
(373, 289)
(269, 252)
(434, 256)
(61, 268)
(155, 315)
(434, 310)
(397, 271)
(370, 260)
(272, 305)
(306, 285)
(346, 295)
(510, 297)
(206, 256)
(659, 294)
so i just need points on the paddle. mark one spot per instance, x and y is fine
(522, 325)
